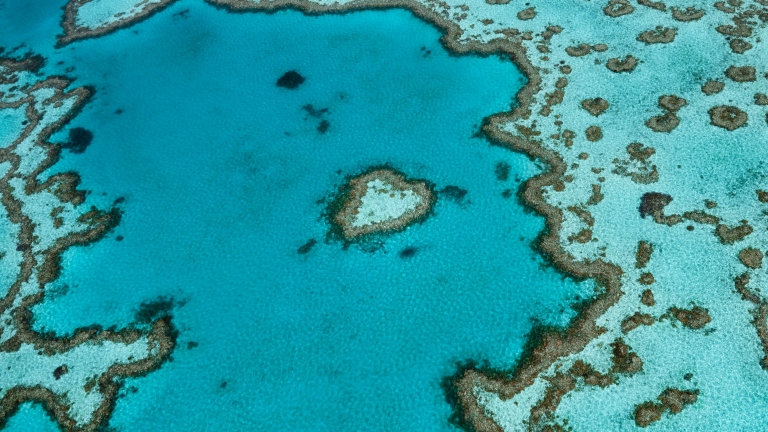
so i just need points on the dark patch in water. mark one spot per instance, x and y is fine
(192, 344)
(119, 201)
(454, 193)
(59, 371)
(507, 193)
(312, 111)
(408, 252)
(303, 250)
(653, 202)
(223, 385)
(22, 247)
(502, 171)
(290, 80)
(182, 14)
(119, 111)
(119, 238)
(479, 133)
(323, 126)
(79, 140)
(160, 307)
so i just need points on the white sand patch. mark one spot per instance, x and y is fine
(383, 202)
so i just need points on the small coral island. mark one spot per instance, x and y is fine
(380, 200)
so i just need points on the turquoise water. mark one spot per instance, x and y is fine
(222, 173)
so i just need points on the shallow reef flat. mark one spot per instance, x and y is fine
(91, 18)
(652, 119)
(75, 377)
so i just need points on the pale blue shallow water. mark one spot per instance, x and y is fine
(221, 173)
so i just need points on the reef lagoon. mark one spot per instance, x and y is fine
(395, 215)
(224, 180)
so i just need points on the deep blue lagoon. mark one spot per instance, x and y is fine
(225, 176)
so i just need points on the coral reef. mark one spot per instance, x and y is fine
(37, 365)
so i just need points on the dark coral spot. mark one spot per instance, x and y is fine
(306, 247)
(408, 252)
(502, 171)
(454, 193)
(290, 80)
(323, 126)
(79, 140)
(314, 112)
(59, 371)
(653, 202)
(151, 310)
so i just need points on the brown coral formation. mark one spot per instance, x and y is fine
(627, 64)
(640, 152)
(591, 377)
(652, 4)
(669, 120)
(527, 14)
(594, 133)
(689, 14)
(653, 203)
(638, 167)
(659, 35)
(712, 87)
(672, 103)
(646, 278)
(646, 298)
(759, 313)
(751, 257)
(727, 117)
(702, 217)
(578, 50)
(731, 235)
(624, 360)
(617, 8)
(636, 320)
(741, 73)
(351, 197)
(663, 123)
(643, 254)
(695, 318)
(671, 399)
(739, 46)
(595, 106)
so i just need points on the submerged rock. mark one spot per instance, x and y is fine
(79, 140)
(290, 80)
